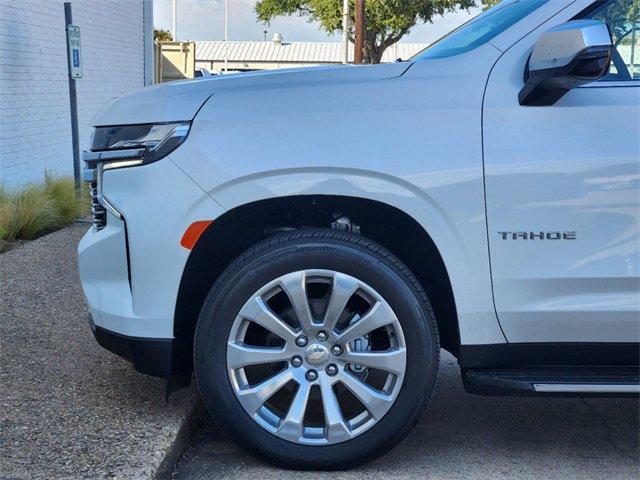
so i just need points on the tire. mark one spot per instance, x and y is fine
(316, 443)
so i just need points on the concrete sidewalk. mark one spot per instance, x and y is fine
(70, 409)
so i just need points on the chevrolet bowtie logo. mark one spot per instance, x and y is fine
(317, 354)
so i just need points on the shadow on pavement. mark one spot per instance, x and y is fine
(471, 437)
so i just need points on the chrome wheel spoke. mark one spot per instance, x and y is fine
(392, 361)
(257, 311)
(342, 289)
(378, 316)
(319, 380)
(254, 397)
(240, 355)
(336, 429)
(293, 424)
(295, 286)
(375, 402)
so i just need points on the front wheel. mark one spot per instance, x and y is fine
(316, 349)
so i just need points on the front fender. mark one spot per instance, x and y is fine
(412, 141)
(462, 245)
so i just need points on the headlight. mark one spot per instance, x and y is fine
(129, 145)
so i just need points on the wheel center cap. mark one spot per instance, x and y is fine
(316, 354)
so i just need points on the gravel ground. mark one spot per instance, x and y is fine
(70, 409)
(470, 437)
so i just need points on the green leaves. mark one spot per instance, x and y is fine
(162, 35)
(387, 21)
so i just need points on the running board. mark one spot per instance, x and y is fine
(554, 381)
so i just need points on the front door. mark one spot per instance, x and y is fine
(563, 195)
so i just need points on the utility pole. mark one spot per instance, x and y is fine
(226, 35)
(74, 67)
(359, 44)
(345, 31)
(174, 21)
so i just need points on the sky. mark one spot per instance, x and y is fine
(204, 20)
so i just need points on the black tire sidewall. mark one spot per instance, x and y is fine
(395, 284)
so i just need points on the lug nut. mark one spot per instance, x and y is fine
(311, 375)
(336, 350)
(296, 360)
(322, 335)
(331, 369)
(302, 341)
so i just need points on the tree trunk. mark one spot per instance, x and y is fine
(372, 52)
(376, 57)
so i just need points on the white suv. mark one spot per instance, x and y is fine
(307, 240)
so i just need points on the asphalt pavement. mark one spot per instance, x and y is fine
(469, 437)
(69, 408)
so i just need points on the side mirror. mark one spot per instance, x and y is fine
(566, 57)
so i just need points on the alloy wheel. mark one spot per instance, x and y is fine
(316, 357)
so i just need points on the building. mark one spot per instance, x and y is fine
(35, 125)
(243, 56)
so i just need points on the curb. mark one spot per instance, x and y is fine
(190, 423)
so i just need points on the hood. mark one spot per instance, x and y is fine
(181, 100)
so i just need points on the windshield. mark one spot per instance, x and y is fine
(480, 29)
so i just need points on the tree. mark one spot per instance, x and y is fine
(622, 18)
(162, 35)
(387, 21)
(489, 3)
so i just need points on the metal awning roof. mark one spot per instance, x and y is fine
(293, 52)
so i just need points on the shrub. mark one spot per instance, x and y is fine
(63, 197)
(38, 209)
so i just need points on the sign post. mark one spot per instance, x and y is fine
(74, 64)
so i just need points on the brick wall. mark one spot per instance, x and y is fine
(35, 131)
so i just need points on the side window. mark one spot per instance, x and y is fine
(623, 19)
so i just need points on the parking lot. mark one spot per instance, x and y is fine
(470, 437)
(73, 410)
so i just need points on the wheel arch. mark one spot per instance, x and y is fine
(241, 227)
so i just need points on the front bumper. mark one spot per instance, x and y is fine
(151, 356)
(131, 267)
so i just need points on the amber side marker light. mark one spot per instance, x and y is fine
(193, 232)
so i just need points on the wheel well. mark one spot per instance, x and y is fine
(240, 228)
